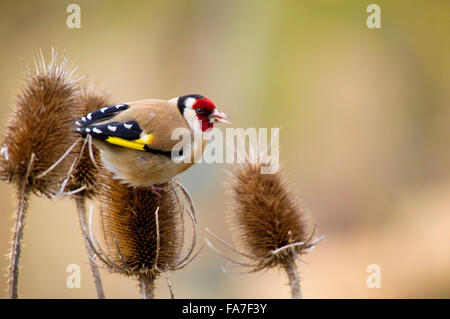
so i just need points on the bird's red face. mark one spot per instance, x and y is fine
(208, 114)
(204, 109)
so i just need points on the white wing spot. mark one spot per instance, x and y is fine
(96, 130)
(83, 119)
(87, 129)
(89, 116)
(119, 106)
(112, 128)
(103, 109)
(128, 126)
(5, 153)
(78, 129)
(77, 123)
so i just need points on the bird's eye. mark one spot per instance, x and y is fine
(199, 111)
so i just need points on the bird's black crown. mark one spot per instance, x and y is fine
(181, 100)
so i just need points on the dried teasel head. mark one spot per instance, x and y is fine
(267, 221)
(40, 131)
(128, 217)
(143, 234)
(266, 216)
(85, 172)
(39, 145)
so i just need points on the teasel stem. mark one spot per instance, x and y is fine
(290, 266)
(81, 208)
(23, 192)
(147, 286)
(22, 205)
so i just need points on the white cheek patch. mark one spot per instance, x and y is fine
(189, 102)
(192, 120)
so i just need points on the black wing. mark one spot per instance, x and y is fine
(125, 130)
(100, 115)
(124, 134)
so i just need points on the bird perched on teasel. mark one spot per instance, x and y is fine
(135, 139)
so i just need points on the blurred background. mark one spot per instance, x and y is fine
(364, 117)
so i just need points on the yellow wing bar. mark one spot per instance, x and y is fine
(134, 144)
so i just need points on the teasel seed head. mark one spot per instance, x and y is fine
(268, 222)
(39, 145)
(40, 127)
(86, 170)
(266, 215)
(128, 217)
(144, 234)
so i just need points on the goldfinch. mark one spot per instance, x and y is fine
(135, 138)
